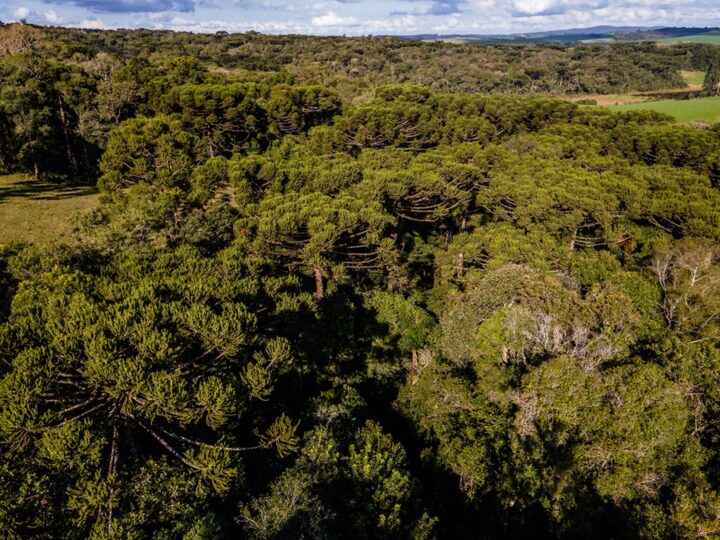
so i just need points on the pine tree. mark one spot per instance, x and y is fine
(160, 357)
(320, 235)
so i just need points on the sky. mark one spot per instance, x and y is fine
(362, 17)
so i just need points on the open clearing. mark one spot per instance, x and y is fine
(694, 78)
(598, 41)
(605, 100)
(32, 211)
(693, 110)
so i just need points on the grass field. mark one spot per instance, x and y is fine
(709, 39)
(605, 100)
(598, 41)
(609, 99)
(33, 211)
(693, 110)
(694, 78)
(682, 109)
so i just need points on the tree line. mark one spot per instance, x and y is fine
(64, 90)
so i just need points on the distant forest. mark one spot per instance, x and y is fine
(358, 288)
(664, 33)
(354, 64)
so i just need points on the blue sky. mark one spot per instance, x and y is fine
(358, 17)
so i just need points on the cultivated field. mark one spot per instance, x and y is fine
(693, 110)
(33, 211)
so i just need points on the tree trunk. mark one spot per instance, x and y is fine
(414, 368)
(112, 470)
(319, 287)
(68, 148)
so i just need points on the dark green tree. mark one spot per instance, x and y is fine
(711, 84)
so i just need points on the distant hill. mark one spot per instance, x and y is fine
(574, 36)
(601, 29)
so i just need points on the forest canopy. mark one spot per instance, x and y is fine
(343, 288)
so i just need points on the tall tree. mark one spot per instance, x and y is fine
(711, 84)
(324, 236)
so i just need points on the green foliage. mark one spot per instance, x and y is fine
(103, 371)
(382, 487)
(316, 303)
(405, 319)
(226, 117)
(294, 109)
(625, 433)
(711, 84)
(156, 151)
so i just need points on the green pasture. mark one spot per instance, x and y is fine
(709, 39)
(694, 77)
(32, 211)
(693, 110)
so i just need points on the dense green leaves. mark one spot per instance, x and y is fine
(119, 370)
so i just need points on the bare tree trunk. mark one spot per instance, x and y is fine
(460, 265)
(112, 469)
(319, 287)
(414, 368)
(68, 149)
(211, 149)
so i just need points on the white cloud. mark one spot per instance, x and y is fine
(51, 16)
(332, 19)
(554, 7)
(91, 24)
(362, 17)
(536, 6)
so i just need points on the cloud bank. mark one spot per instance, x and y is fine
(357, 17)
